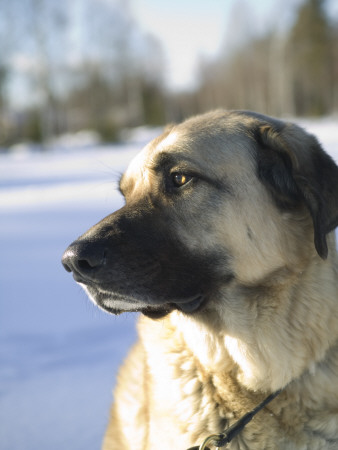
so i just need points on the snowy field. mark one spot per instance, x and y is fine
(58, 353)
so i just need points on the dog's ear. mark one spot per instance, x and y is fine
(297, 170)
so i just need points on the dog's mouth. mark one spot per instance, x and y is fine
(114, 303)
(187, 307)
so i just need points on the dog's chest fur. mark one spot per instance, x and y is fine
(200, 402)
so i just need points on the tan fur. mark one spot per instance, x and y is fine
(275, 326)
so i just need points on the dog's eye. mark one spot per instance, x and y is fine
(180, 179)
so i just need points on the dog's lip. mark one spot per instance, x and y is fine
(190, 306)
(79, 278)
(187, 306)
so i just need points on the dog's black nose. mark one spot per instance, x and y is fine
(83, 259)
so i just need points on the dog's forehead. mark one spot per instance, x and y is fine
(209, 145)
(205, 142)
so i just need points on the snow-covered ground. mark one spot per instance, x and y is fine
(58, 353)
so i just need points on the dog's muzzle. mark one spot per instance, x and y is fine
(88, 264)
(129, 265)
(130, 262)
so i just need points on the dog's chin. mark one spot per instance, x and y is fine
(116, 304)
(188, 307)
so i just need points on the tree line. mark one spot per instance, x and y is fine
(294, 72)
(101, 72)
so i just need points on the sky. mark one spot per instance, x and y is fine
(187, 31)
(190, 30)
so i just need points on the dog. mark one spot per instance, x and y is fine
(226, 246)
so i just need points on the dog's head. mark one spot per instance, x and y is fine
(223, 198)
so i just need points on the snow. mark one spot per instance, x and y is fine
(59, 353)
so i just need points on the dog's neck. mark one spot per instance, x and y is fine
(269, 355)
